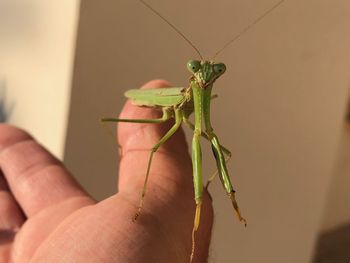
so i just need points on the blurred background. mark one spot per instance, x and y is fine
(281, 108)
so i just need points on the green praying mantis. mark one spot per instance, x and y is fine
(179, 103)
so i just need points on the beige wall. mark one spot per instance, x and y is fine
(37, 41)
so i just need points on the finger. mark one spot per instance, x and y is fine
(137, 139)
(11, 216)
(36, 178)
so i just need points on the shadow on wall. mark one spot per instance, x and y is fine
(348, 115)
(333, 246)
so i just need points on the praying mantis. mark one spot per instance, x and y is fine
(179, 103)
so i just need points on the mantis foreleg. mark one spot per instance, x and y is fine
(223, 173)
(205, 135)
(227, 158)
(224, 150)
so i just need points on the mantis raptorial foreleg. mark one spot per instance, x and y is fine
(224, 150)
(204, 135)
(227, 158)
(166, 116)
(223, 173)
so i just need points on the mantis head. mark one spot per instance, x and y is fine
(205, 72)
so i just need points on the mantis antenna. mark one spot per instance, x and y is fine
(172, 26)
(247, 28)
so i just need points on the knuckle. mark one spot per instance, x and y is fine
(12, 135)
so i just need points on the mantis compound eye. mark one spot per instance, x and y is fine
(219, 68)
(193, 65)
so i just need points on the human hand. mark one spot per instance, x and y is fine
(45, 216)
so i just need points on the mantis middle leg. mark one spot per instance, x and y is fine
(166, 116)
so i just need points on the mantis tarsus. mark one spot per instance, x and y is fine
(179, 103)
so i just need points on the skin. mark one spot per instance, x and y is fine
(45, 216)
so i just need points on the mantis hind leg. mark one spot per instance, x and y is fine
(223, 174)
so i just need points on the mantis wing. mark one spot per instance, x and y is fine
(156, 97)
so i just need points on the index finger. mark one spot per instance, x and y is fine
(36, 178)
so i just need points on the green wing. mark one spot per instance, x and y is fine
(156, 97)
